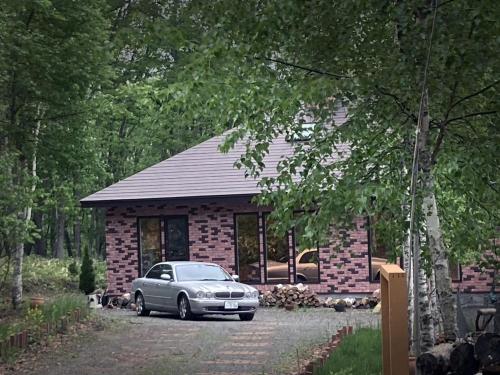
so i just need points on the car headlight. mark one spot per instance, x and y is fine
(209, 295)
(254, 294)
(200, 294)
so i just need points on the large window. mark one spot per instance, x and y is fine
(176, 228)
(149, 242)
(277, 255)
(247, 247)
(307, 259)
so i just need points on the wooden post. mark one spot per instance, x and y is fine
(394, 299)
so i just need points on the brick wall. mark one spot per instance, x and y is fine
(343, 261)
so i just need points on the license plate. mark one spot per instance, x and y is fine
(230, 305)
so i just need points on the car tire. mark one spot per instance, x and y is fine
(246, 317)
(140, 304)
(301, 279)
(184, 308)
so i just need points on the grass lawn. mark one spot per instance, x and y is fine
(358, 354)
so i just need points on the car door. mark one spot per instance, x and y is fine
(165, 293)
(150, 287)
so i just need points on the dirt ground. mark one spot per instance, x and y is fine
(162, 344)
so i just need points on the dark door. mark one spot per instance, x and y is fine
(177, 239)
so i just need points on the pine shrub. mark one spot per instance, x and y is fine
(87, 274)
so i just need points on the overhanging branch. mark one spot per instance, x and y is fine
(307, 69)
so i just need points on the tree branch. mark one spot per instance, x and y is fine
(474, 94)
(398, 101)
(470, 115)
(310, 70)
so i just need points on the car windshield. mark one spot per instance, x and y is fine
(201, 272)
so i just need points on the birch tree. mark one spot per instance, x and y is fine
(279, 57)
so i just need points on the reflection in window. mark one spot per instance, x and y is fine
(378, 250)
(276, 250)
(306, 261)
(455, 271)
(149, 242)
(177, 238)
(247, 245)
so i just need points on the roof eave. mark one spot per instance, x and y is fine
(145, 201)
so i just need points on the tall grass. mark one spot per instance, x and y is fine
(358, 354)
(51, 312)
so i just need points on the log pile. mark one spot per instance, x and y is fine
(463, 357)
(290, 296)
(299, 295)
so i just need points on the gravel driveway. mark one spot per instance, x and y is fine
(163, 344)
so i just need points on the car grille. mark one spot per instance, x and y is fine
(229, 295)
(221, 308)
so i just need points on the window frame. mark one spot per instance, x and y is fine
(264, 232)
(294, 238)
(165, 219)
(139, 245)
(237, 251)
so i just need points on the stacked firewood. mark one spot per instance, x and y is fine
(290, 296)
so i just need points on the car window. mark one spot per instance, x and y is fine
(309, 257)
(154, 273)
(166, 268)
(201, 272)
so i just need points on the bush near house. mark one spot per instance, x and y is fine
(358, 354)
(87, 274)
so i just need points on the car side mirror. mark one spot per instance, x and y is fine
(165, 276)
(236, 278)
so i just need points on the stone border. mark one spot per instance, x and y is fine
(322, 353)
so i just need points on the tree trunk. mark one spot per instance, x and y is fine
(17, 274)
(436, 361)
(436, 316)
(77, 232)
(462, 360)
(426, 336)
(407, 264)
(59, 240)
(39, 246)
(445, 297)
(439, 257)
(487, 349)
(67, 239)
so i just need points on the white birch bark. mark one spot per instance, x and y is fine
(17, 274)
(445, 298)
(426, 322)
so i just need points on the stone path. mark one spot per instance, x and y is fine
(163, 344)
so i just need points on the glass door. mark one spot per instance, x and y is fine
(176, 238)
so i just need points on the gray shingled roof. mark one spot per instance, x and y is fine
(201, 171)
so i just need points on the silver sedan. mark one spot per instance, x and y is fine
(191, 289)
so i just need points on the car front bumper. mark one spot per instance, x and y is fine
(216, 306)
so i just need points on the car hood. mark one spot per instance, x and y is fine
(215, 286)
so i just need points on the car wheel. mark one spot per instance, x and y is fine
(246, 317)
(185, 309)
(301, 279)
(141, 306)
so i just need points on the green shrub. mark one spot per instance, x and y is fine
(87, 274)
(358, 354)
(73, 269)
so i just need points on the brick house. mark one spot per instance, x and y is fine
(197, 206)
